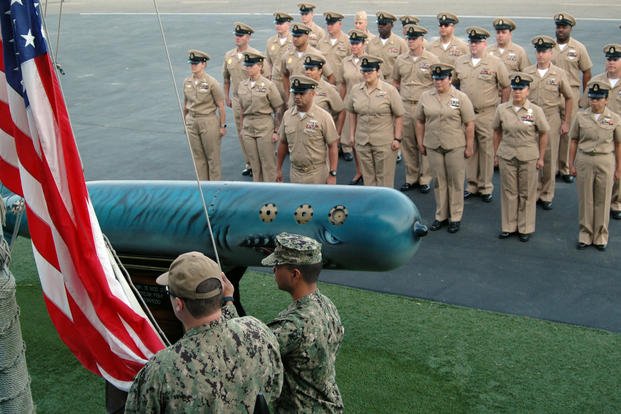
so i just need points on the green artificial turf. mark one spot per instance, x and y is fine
(400, 355)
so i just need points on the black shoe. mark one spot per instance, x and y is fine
(247, 172)
(348, 156)
(546, 205)
(615, 214)
(453, 226)
(581, 246)
(568, 178)
(600, 247)
(356, 181)
(437, 225)
(504, 235)
(424, 188)
(524, 237)
(487, 198)
(468, 195)
(399, 158)
(408, 186)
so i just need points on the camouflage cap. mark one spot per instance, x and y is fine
(504, 23)
(188, 271)
(197, 56)
(564, 19)
(294, 249)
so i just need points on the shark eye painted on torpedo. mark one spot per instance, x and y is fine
(338, 215)
(330, 238)
(303, 214)
(268, 212)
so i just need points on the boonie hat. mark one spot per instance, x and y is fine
(294, 249)
(188, 271)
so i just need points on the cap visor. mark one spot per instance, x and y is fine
(162, 279)
(269, 260)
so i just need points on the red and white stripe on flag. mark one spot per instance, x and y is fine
(39, 160)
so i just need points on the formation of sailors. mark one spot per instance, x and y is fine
(454, 110)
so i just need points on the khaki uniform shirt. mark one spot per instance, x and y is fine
(574, 59)
(217, 367)
(335, 54)
(414, 74)
(614, 95)
(274, 52)
(326, 97)
(444, 117)
(389, 51)
(455, 49)
(202, 95)
(307, 137)
(514, 56)
(293, 62)
(376, 110)
(262, 98)
(350, 72)
(316, 34)
(233, 68)
(596, 136)
(520, 130)
(482, 82)
(550, 91)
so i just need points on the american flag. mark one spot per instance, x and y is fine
(94, 315)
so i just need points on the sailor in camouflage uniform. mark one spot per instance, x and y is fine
(219, 365)
(309, 331)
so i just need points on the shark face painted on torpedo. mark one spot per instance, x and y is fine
(360, 228)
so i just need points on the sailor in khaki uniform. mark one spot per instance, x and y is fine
(376, 124)
(307, 13)
(261, 106)
(480, 76)
(595, 159)
(448, 47)
(573, 57)
(407, 20)
(513, 55)
(307, 133)
(335, 45)
(412, 76)
(612, 75)
(276, 46)
(351, 75)
(202, 97)
(520, 135)
(361, 22)
(387, 45)
(293, 60)
(551, 91)
(445, 133)
(233, 73)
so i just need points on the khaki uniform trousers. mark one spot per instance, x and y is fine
(547, 177)
(237, 112)
(563, 146)
(518, 195)
(594, 176)
(344, 139)
(416, 165)
(204, 132)
(314, 174)
(449, 170)
(480, 167)
(615, 203)
(257, 140)
(377, 164)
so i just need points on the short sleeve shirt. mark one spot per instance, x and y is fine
(596, 135)
(520, 130)
(482, 82)
(350, 72)
(316, 34)
(414, 74)
(375, 110)
(293, 62)
(614, 94)
(202, 95)
(551, 90)
(326, 97)
(388, 51)
(274, 51)
(233, 67)
(444, 117)
(573, 59)
(455, 49)
(335, 53)
(262, 98)
(513, 56)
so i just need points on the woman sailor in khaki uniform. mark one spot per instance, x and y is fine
(261, 106)
(520, 141)
(595, 159)
(441, 115)
(376, 124)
